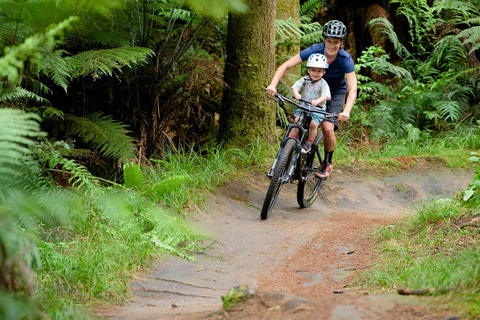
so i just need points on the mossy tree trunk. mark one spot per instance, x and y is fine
(247, 113)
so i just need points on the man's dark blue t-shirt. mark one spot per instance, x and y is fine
(335, 75)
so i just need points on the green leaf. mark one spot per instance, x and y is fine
(467, 195)
(132, 175)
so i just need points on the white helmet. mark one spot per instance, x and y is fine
(317, 60)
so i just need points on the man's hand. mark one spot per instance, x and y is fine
(271, 90)
(343, 116)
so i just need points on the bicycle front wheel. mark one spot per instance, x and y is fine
(308, 185)
(275, 184)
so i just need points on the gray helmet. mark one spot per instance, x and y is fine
(317, 60)
(334, 29)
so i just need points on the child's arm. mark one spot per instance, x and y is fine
(320, 100)
(324, 94)
(297, 94)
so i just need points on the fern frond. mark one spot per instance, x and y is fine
(453, 9)
(80, 177)
(50, 112)
(449, 52)
(288, 29)
(471, 35)
(104, 62)
(17, 129)
(312, 34)
(310, 8)
(102, 132)
(12, 63)
(161, 189)
(19, 93)
(400, 72)
(177, 14)
(132, 175)
(56, 68)
(12, 33)
(449, 110)
(387, 28)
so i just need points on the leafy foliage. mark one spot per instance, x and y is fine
(472, 194)
(16, 131)
(103, 62)
(103, 133)
(433, 84)
(132, 175)
(289, 30)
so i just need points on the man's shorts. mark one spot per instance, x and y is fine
(335, 105)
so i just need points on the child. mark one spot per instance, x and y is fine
(315, 89)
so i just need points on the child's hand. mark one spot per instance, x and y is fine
(315, 103)
(298, 96)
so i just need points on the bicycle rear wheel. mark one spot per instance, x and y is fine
(308, 185)
(281, 167)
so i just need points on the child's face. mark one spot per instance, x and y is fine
(315, 73)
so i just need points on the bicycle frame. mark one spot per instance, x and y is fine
(302, 133)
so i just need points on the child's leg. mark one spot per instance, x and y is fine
(313, 131)
(311, 137)
(294, 131)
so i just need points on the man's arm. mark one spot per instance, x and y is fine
(290, 63)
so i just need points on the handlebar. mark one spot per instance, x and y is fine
(305, 105)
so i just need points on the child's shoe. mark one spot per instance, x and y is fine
(307, 146)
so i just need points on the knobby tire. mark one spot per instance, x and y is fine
(275, 184)
(308, 185)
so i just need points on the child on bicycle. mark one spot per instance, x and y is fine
(314, 89)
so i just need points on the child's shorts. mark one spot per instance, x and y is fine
(317, 117)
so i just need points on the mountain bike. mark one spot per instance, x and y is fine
(291, 164)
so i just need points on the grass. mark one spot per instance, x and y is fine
(80, 260)
(431, 249)
(450, 149)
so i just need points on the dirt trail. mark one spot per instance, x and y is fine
(294, 260)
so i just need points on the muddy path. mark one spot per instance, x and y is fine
(300, 262)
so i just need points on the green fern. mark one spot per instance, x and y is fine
(310, 8)
(449, 110)
(132, 175)
(109, 137)
(176, 14)
(16, 131)
(18, 93)
(12, 64)
(308, 32)
(386, 28)
(103, 62)
(171, 184)
(56, 68)
(471, 35)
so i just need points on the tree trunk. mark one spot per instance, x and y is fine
(249, 66)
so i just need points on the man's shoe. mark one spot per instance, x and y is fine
(322, 174)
